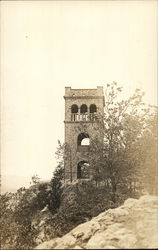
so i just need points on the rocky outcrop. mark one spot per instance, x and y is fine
(133, 225)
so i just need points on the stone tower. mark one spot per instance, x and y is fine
(81, 109)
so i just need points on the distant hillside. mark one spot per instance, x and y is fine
(10, 183)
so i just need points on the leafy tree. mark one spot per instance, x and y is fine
(6, 221)
(17, 232)
(56, 183)
(35, 179)
(56, 189)
(60, 154)
(125, 123)
(146, 148)
(24, 212)
(97, 162)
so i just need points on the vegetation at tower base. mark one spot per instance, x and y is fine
(124, 166)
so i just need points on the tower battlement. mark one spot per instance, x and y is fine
(69, 92)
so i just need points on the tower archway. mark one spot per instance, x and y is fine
(74, 109)
(83, 170)
(74, 112)
(83, 108)
(83, 139)
(93, 108)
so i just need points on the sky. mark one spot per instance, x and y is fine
(47, 45)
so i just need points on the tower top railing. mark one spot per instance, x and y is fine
(83, 117)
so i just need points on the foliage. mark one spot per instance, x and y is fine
(116, 161)
(6, 220)
(56, 189)
(146, 148)
(18, 211)
(80, 201)
(35, 179)
(60, 154)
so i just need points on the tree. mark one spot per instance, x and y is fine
(97, 162)
(8, 226)
(125, 123)
(35, 179)
(56, 184)
(56, 189)
(60, 154)
(147, 150)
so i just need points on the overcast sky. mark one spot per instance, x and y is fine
(46, 46)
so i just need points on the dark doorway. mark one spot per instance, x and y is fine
(83, 170)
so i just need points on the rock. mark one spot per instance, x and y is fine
(86, 230)
(67, 242)
(47, 244)
(77, 247)
(132, 225)
(129, 203)
(115, 235)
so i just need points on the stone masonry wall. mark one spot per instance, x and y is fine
(73, 129)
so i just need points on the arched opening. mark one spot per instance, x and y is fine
(83, 139)
(93, 108)
(74, 109)
(83, 170)
(74, 112)
(83, 108)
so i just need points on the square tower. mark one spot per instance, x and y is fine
(82, 106)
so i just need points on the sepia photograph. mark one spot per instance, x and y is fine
(79, 124)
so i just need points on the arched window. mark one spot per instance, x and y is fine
(83, 139)
(83, 170)
(83, 108)
(74, 109)
(93, 108)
